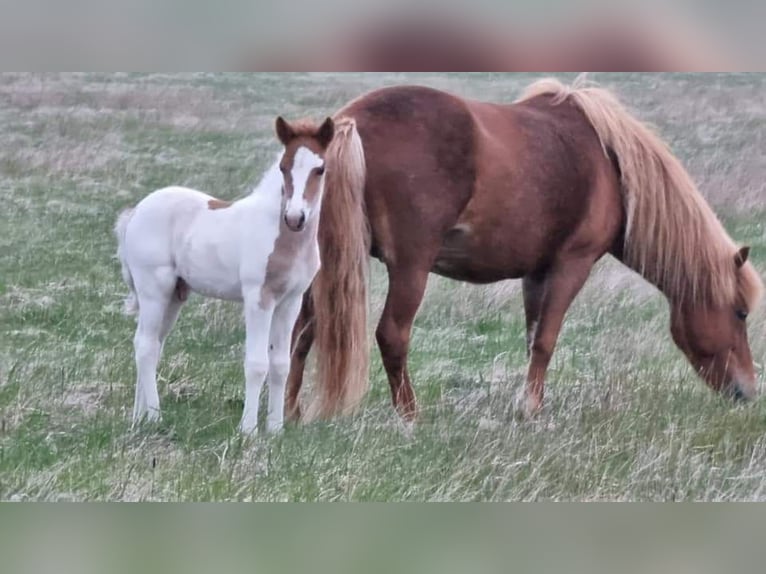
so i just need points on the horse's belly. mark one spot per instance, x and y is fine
(473, 271)
(465, 257)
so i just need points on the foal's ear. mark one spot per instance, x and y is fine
(326, 132)
(285, 133)
(740, 258)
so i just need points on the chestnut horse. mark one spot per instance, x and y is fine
(540, 190)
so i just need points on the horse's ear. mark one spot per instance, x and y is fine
(284, 132)
(740, 258)
(326, 132)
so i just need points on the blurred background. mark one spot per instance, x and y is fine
(345, 35)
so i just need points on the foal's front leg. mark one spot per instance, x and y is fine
(257, 325)
(282, 324)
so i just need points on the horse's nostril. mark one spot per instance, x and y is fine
(302, 220)
(742, 393)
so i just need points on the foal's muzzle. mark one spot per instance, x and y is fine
(296, 222)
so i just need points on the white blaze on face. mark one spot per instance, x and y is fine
(306, 185)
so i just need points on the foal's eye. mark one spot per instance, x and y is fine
(320, 171)
(741, 315)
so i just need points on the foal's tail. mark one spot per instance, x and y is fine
(120, 229)
(339, 290)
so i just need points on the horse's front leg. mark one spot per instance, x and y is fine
(282, 325)
(257, 325)
(561, 285)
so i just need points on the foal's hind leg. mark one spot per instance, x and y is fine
(171, 316)
(155, 294)
(302, 340)
(405, 293)
(562, 284)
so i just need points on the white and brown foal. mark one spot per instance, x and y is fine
(261, 250)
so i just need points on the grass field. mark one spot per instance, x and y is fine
(626, 418)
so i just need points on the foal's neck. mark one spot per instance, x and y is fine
(269, 187)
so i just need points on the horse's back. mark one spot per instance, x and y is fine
(510, 183)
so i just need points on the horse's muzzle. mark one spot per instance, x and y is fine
(742, 391)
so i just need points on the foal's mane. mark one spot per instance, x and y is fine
(305, 127)
(673, 237)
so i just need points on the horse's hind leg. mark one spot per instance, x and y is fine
(302, 340)
(533, 288)
(405, 293)
(562, 283)
(154, 298)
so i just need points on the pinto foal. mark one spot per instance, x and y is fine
(261, 250)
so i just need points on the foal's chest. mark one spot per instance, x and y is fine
(292, 265)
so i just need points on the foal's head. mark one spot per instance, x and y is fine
(302, 167)
(713, 336)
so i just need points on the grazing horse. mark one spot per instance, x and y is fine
(540, 190)
(261, 250)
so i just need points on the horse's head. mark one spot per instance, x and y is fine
(302, 166)
(714, 336)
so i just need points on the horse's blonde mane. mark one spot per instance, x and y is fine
(673, 237)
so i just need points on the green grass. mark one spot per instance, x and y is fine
(625, 416)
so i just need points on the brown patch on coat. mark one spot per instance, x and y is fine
(290, 249)
(214, 204)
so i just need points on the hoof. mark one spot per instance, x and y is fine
(526, 406)
(294, 415)
(148, 415)
(274, 427)
(408, 411)
(407, 428)
(248, 427)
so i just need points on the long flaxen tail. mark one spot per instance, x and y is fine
(120, 230)
(673, 237)
(339, 290)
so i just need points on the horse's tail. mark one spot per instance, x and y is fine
(120, 230)
(339, 290)
(671, 231)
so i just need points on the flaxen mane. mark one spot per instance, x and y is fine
(673, 237)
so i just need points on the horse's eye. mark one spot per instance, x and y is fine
(320, 171)
(741, 315)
